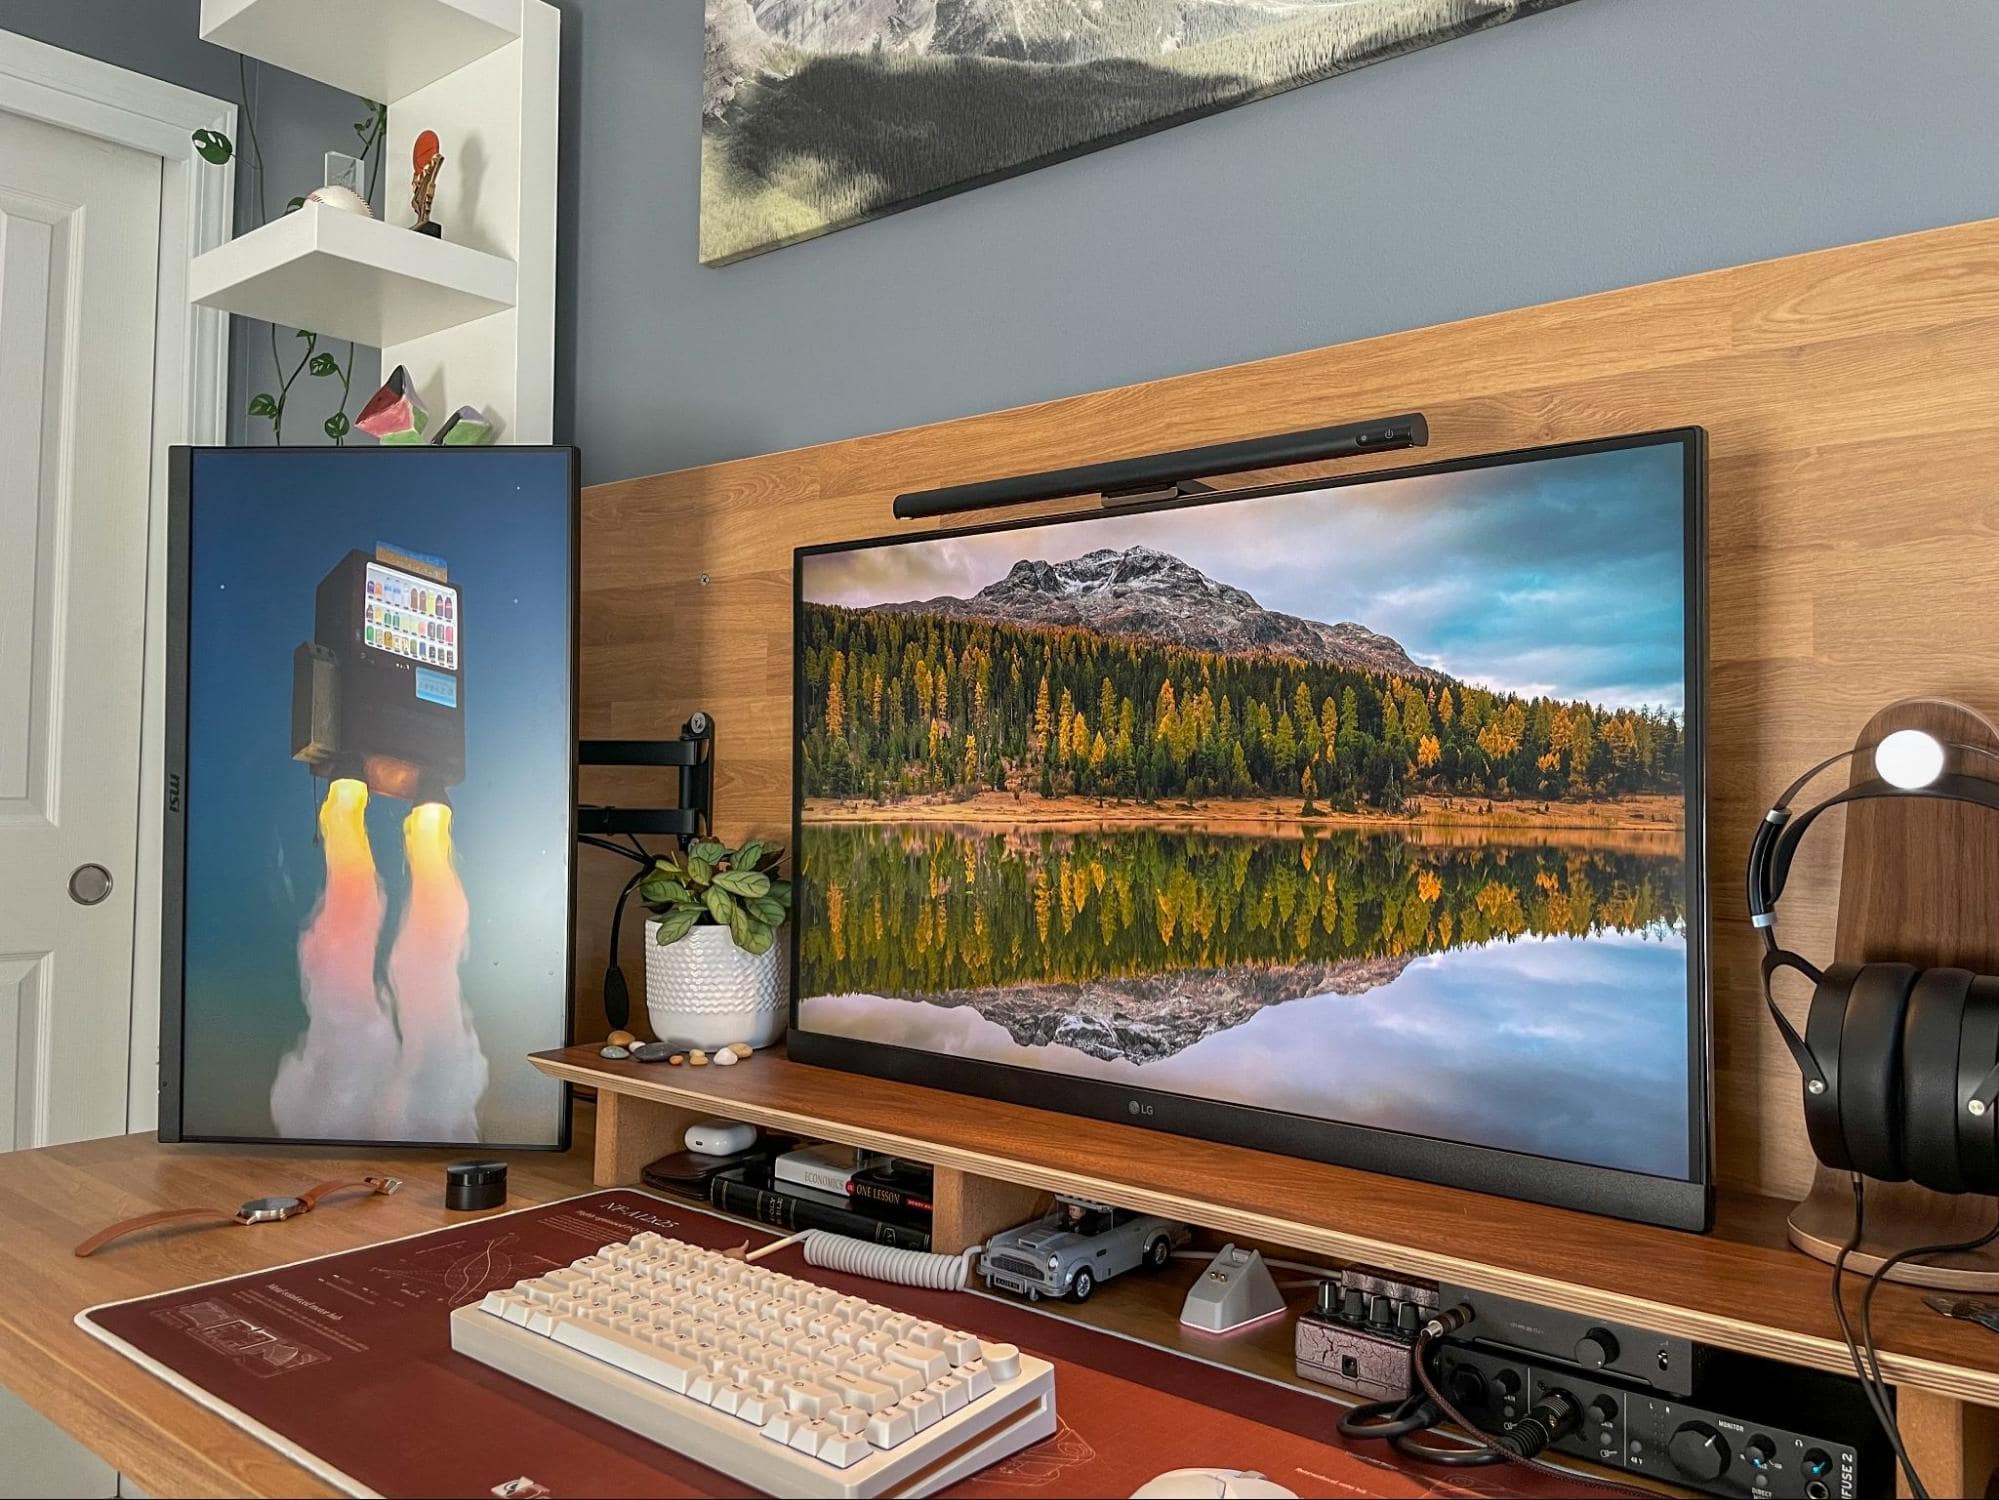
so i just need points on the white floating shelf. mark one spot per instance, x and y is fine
(379, 49)
(352, 278)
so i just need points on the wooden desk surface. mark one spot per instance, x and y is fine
(53, 1198)
(167, 1444)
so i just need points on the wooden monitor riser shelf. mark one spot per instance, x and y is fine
(1740, 1287)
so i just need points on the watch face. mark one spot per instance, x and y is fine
(270, 1208)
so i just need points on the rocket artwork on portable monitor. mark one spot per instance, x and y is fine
(377, 712)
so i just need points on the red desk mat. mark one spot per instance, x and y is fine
(345, 1364)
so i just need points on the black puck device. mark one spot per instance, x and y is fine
(475, 1184)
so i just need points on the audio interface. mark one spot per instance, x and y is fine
(1669, 1365)
(1732, 1442)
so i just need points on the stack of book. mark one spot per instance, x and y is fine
(867, 1196)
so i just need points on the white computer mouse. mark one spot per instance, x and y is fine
(720, 1137)
(1212, 1484)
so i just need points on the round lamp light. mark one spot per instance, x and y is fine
(1909, 759)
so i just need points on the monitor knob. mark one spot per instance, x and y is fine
(1697, 1451)
(1596, 1349)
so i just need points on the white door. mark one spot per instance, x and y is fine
(79, 264)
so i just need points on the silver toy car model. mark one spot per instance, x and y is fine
(1067, 1252)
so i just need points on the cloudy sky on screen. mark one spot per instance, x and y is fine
(1562, 576)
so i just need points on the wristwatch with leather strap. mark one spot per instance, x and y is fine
(256, 1211)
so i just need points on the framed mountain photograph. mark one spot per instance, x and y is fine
(819, 114)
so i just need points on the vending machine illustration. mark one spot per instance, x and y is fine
(377, 693)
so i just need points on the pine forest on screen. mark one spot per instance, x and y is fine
(1252, 801)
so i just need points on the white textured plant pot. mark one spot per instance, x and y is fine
(705, 992)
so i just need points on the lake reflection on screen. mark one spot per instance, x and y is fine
(1525, 996)
(1566, 1047)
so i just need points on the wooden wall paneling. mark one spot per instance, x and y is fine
(1852, 403)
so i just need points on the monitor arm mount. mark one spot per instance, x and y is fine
(693, 755)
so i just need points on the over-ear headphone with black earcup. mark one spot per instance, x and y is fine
(1900, 1064)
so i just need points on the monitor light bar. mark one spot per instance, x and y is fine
(1169, 475)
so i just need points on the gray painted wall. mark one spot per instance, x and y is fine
(1608, 143)
(159, 38)
(298, 121)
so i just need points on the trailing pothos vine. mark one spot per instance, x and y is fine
(312, 361)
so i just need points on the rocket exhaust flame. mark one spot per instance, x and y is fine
(329, 1081)
(442, 1072)
(404, 1063)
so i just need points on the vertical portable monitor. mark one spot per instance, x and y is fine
(371, 806)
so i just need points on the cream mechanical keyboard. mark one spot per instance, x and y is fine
(780, 1383)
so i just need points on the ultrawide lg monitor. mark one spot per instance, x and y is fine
(371, 794)
(1358, 820)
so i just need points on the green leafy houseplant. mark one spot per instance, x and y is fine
(712, 885)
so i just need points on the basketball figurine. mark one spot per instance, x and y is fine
(426, 159)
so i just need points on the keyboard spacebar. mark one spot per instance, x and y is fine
(627, 1353)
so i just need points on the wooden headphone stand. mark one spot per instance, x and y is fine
(1917, 883)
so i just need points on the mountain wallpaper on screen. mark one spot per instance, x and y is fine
(818, 114)
(1131, 674)
(1362, 804)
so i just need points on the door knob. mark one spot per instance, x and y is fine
(89, 884)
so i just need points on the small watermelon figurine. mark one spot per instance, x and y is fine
(425, 160)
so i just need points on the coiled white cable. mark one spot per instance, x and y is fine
(918, 1268)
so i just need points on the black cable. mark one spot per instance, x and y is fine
(1389, 1419)
(618, 994)
(619, 849)
(1419, 1363)
(1874, 1280)
(1553, 1417)
(618, 911)
(1877, 1397)
(1473, 1455)
(1956, 1247)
